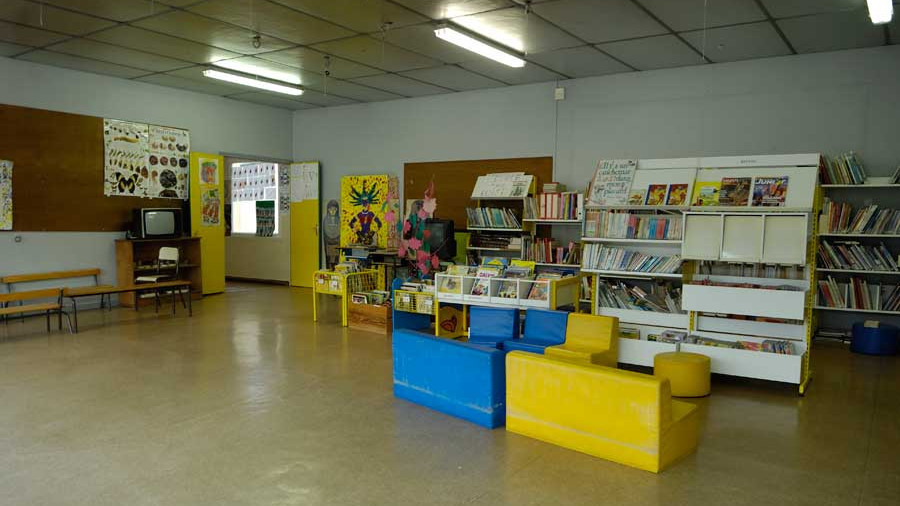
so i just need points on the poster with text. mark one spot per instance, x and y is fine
(126, 150)
(6, 195)
(168, 161)
(611, 182)
(304, 181)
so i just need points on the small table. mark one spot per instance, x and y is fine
(89, 291)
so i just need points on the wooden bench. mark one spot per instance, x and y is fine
(12, 280)
(36, 307)
(88, 291)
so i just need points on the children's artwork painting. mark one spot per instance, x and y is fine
(735, 191)
(770, 191)
(6, 195)
(210, 204)
(677, 194)
(209, 171)
(365, 202)
(331, 233)
(656, 195)
(265, 218)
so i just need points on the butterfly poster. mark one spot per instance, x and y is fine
(141, 160)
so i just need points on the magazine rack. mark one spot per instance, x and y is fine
(551, 293)
(326, 282)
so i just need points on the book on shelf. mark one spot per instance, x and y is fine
(661, 297)
(757, 286)
(851, 255)
(492, 217)
(502, 185)
(841, 218)
(609, 258)
(770, 191)
(555, 206)
(754, 270)
(858, 293)
(677, 195)
(841, 169)
(656, 195)
(550, 251)
(553, 187)
(734, 191)
(482, 285)
(540, 290)
(508, 288)
(777, 346)
(629, 333)
(706, 193)
(453, 282)
(631, 225)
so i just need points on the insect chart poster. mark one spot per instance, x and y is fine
(142, 160)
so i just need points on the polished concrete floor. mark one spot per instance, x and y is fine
(249, 402)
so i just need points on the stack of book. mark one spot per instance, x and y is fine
(492, 217)
(553, 187)
(859, 294)
(842, 169)
(662, 298)
(496, 241)
(374, 297)
(549, 251)
(606, 258)
(842, 219)
(855, 256)
(769, 345)
(555, 206)
(626, 225)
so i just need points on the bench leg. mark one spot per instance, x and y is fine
(48, 321)
(75, 313)
(190, 298)
(156, 298)
(173, 302)
(59, 317)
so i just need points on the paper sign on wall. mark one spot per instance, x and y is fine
(6, 195)
(611, 182)
(304, 181)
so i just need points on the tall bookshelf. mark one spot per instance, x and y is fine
(500, 191)
(837, 321)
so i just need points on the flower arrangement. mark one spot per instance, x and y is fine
(414, 243)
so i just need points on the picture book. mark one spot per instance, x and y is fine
(541, 291)
(526, 264)
(500, 262)
(451, 283)
(677, 195)
(636, 197)
(509, 287)
(629, 333)
(482, 285)
(706, 193)
(656, 195)
(770, 191)
(735, 191)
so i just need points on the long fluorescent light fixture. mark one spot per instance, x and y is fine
(255, 83)
(476, 46)
(880, 11)
(254, 70)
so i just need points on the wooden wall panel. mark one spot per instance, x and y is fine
(454, 181)
(58, 173)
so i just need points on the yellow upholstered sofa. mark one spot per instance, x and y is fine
(617, 415)
(590, 339)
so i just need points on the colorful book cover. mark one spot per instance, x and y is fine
(451, 283)
(706, 193)
(656, 194)
(677, 194)
(770, 191)
(735, 191)
(482, 285)
(636, 197)
(541, 291)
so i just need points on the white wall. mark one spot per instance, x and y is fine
(826, 102)
(216, 124)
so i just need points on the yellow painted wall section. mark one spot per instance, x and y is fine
(205, 189)
(305, 242)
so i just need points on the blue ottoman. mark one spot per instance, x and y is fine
(880, 340)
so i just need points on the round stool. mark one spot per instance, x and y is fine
(688, 373)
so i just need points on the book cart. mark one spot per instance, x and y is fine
(327, 282)
(746, 270)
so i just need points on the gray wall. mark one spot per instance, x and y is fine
(217, 125)
(826, 102)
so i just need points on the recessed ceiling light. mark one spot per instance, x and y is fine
(255, 83)
(469, 42)
(880, 11)
(255, 70)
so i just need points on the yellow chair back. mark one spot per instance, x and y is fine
(593, 331)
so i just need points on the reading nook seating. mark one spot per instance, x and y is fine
(688, 373)
(543, 328)
(53, 306)
(491, 326)
(623, 416)
(590, 339)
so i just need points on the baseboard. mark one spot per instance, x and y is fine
(257, 280)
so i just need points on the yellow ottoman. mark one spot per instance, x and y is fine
(688, 373)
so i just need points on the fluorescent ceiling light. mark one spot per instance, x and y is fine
(249, 81)
(476, 46)
(880, 11)
(249, 68)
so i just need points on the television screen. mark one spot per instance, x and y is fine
(159, 222)
(441, 238)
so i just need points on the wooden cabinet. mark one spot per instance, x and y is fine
(137, 257)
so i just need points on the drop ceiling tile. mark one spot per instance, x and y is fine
(272, 19)
(208, 86)
(421, 39)
(358, 91)
(314, 61)
(79, 63)
(453, 77)
(369, 51)
(785, 8)
(579, 62)
(325, 100)
(401, 85)
(832, 31)
(530, 73)
(18, 34)
(600, 20)
(272, 100)
(740, 42)
(682, 16)
(157, 43)
(359, 15)
(210, 32)
(118, 10)
(515, 29)
(257, 66)
(58, 20)
(118, 55)
(446, 9)
(11, 49)
(653, 52)
(196, 74)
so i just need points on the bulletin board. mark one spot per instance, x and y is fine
(454, 181)
(58, 173)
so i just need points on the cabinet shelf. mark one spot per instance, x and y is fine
(552, 222)
(853, 310)
(633, 241)
(565, 266)
(836, 234)
(859, 271)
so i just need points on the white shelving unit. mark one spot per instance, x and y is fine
(495, 194)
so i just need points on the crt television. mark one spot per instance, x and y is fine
(441, 238)
(156, 222)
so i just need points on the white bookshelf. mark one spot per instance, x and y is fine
(631, 241)
(633, 274)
